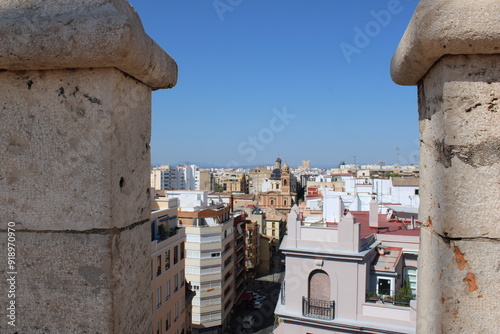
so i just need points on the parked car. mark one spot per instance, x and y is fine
(257, 304)
(259, 298)
(253, 294)
(248, 322)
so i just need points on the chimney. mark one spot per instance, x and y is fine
(373, 220)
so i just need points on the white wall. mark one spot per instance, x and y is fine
(189, 199)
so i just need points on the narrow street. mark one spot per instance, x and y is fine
(269, 287)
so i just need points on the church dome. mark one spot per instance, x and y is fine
(276, 174)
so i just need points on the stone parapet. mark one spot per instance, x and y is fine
(460, 169)
(76, 149)
(451, 49)
(75, 126)
(62, 34)
(441, 27)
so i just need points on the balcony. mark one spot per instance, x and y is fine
(400, 298)
(315, 308)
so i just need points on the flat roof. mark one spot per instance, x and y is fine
(393, 227)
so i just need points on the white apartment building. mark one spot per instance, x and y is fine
(209, 262)
(182, 177)
(168, 269)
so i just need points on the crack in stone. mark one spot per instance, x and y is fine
(448, 239)
(483, 154)
(462, 263)
(101, 231)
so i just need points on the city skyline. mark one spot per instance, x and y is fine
(270, 164)
(259, 80)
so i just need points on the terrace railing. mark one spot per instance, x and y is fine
(316, 308)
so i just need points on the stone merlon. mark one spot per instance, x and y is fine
(442, 27)
(63, 34)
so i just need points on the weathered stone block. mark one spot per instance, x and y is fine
(75, 149)
(458, 284)
(61, 34)
(460, 146)
(75, 119)
(65, 282)
(451, 50)
(460, 169)
(442, 27)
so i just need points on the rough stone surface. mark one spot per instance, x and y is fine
(458, 289)
(460, 146)
(443, 27)
(75, 123)
(458, 283)
(82, 283)
(75, 149)
(59, 34)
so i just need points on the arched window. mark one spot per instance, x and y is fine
(272, 201)
(284, 182)
(319, 303)
(319, 285)
(284, 203)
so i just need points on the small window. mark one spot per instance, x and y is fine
(416, 191)
(167, 290)
(176, 255)
(167, 322)
(167, 260)
(158, 297)
(182, 250)
(384, 286)
(158, 267)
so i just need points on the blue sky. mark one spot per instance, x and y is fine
(303, 80)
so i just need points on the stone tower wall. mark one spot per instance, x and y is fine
(451, 50)
(75, 126)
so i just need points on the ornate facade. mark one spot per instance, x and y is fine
(281, 195)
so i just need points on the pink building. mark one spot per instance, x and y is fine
(354, 276)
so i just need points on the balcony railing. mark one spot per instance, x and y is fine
(315, 308)
(389, 297)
